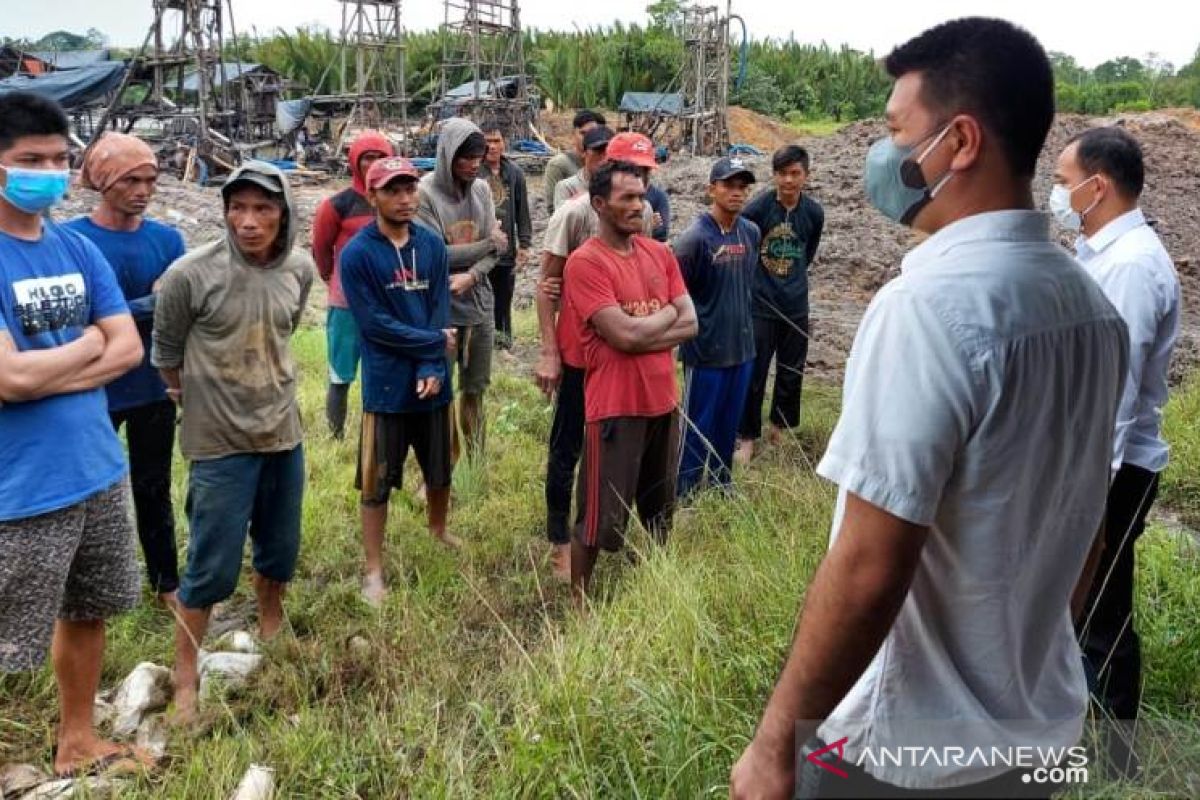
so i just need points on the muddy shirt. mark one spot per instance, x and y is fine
(789, 245)
(227, 323)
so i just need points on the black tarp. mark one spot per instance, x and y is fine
(71, 88)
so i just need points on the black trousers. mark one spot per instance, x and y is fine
(150, 432)
(785, 340)
(566, 444)
(1112, 652)
(504, 281)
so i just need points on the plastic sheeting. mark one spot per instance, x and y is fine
(290, 115)
(651, 103)
(71, 88)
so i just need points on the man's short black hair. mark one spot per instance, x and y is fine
(1114, 152)
(586, 115)
(473, 146)
(988, 68)
(787, 155)
(601, 182)
(29, 114)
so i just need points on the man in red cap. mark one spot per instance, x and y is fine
(560, 368)
(396, 277)
(337, 219)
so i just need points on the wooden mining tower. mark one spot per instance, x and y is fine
(704, 80)
(483, 67)
(370, 66)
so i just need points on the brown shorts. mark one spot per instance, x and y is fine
(627, 461)
(383, 448)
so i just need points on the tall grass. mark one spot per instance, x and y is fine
(478, 680)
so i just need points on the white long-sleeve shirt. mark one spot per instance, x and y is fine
(1131, 265)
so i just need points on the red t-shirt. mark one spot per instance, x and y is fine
(566, 332)
(597, 277)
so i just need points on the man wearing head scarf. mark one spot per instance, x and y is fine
(226, 313)
(337, 219)
(124, 170)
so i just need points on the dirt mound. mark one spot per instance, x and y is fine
(756, 130)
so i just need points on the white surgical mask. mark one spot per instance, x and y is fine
(1060, 206)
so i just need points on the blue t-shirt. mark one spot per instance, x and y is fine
(718, 269)
(138, 258)
(59, 450)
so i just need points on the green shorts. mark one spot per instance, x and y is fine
(475, 346)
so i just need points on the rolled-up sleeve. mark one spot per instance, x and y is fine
(907, 409)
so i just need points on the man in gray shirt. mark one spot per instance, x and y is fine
(567, 163)
(225, 315)
(458, 206)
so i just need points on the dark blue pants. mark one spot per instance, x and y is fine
(260, 494)
(713, 402)
(566, 444)
(150, 431)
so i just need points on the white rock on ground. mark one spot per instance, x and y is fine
(17, 778)
(257, 784)
(237, 642)
(152, 736)
(146, 689)
(232, 669)
(91, 788)
(104, 713)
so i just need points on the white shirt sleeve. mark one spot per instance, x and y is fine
(908, 406)
(1133, 289)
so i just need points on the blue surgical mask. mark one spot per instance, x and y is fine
(894, 182)
(34, 190)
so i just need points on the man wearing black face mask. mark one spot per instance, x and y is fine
(972, 457)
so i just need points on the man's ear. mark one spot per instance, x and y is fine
(968, 135)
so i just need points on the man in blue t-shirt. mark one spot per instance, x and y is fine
(791, 223)
(125, 172)
(67, 553)
(396, 278)
(717, 256)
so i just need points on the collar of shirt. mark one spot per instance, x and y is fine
(1016, 225)
(1088, 247)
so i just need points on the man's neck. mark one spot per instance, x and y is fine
(1099, 218)
(397, 233)
(724, 219)
(18, 224)
(494, 166)
(788, 203)
(110, 218)
(621, 242)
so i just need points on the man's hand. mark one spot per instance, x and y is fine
(461, 283)
(176, 395)
(762, 774)
(451, 335)
(499, 238)
(548, 373)
(428, 387)
(657, 220)
(551, 288)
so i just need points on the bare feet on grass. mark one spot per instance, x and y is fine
(100, 757)
(744, 452)
(374, 590)
(560, 562)
(187, 698)
(270, 606)
(448, 539)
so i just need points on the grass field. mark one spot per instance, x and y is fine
(480, 681)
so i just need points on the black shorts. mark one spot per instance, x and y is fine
(383, 447)
(627, 462)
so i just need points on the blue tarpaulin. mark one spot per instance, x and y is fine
(71, 88)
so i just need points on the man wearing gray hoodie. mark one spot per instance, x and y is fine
(458, 206)
(222, 325)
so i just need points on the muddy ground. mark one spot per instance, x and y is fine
(860, 250)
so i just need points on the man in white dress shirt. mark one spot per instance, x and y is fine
(1098, 182)
(972, 457)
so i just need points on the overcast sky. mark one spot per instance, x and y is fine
(1093, 32)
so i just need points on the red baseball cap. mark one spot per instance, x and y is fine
(384, 170)
(632, 148)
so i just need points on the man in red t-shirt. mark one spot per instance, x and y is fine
(626, 298)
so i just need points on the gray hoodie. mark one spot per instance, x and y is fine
(226, 323)
(464, 219)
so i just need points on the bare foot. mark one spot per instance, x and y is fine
(774, 435)
(98, 756)
(167, 600)
(374, 590)
(186, 699)
(744, 452)
(270, 606)
(560, 561)
(448, 539)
